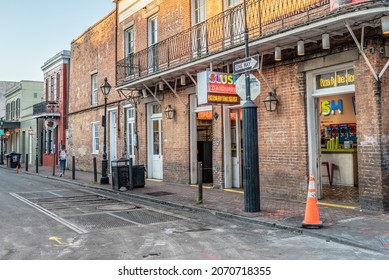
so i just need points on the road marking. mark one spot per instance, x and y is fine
(50, 214)
(234, 191)
(56, 239)
(337, 205)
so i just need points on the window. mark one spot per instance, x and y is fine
(35, 95)
(58, 86)
(17, 109)
(52, 89)
(95, 138)
(152, 43)
(47, 90)
(129, 50)
(12, 110)
(95, 90)
(8, 111)
(199, 42)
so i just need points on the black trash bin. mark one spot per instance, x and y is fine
(138, 176)
(120, 173)
(13, 159)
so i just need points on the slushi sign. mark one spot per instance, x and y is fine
(216, 88)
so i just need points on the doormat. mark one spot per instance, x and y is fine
(159, 193)
(385, 242)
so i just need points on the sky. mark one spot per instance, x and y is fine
(33, 31)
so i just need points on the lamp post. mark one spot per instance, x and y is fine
(2, 140)
(250, 139)
(105, 89)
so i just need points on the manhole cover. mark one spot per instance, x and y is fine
(162, 193)
(98, 221)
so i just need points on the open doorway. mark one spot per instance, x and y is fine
(204, 144)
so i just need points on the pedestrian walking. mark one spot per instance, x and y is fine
(62, 161)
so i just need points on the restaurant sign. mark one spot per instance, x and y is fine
(216, 88)
(336, 4)
(335, 79)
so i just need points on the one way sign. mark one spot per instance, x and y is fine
(246, 64)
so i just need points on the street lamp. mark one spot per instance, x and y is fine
(105, 89)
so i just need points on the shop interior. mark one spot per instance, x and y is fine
(338, 153)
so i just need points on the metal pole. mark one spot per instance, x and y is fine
(26, 162)
(200, 181)
(73, 167)
(1, 152)
(104, 165)
(94, 170)
(36, 148)
(250, 139)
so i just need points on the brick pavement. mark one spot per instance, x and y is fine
(347, 225)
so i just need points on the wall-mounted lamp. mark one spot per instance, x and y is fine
(277, 53)
(169, 112)
(271, 102)
(160, 86)
(215, 116)
(300, 48)
(183, 80)
(325, 41)
(385, 25)
(144, 92)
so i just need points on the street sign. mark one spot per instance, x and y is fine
(246, 64)
(255, 87)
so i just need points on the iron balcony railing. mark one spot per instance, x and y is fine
(219, 33)
(45, 107)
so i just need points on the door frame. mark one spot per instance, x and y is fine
(112, 136)
(150, 140)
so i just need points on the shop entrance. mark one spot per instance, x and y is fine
(338, 148)
(204, 144)
(236, 148)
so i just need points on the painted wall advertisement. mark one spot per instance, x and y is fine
(216, 88)
(336, 4)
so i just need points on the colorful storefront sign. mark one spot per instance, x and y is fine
(216, 88)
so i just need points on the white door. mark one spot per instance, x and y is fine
(130, 134)
(155, 143)
(30, 149)
(112, 137)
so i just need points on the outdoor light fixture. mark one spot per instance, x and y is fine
(169, 112)
(300, 48)
(277, 54)
(160, 86)
(183, 80)
(385, 25)
(105, 89)
(144, 92)
(325, 38)
(271, 102)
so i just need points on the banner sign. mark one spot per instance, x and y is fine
(1, 131)
(336, 4)
(216, 88)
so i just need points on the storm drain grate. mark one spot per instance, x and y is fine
(98, 221)
(161, 193)
(146, 216)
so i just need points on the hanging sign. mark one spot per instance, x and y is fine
(216, 88)
(50, 124)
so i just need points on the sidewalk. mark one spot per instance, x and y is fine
(343, 224)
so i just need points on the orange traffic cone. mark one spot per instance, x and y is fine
(312, 217)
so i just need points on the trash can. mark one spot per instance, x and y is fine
(138, 176)
(13, 159)
(120, 173)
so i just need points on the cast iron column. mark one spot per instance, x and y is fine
(250, 140)
(1, 144)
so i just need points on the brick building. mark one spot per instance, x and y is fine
(51, 113)
(323, 61)
(320, 59)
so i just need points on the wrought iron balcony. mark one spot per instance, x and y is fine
(219, 33)
(46, 109)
